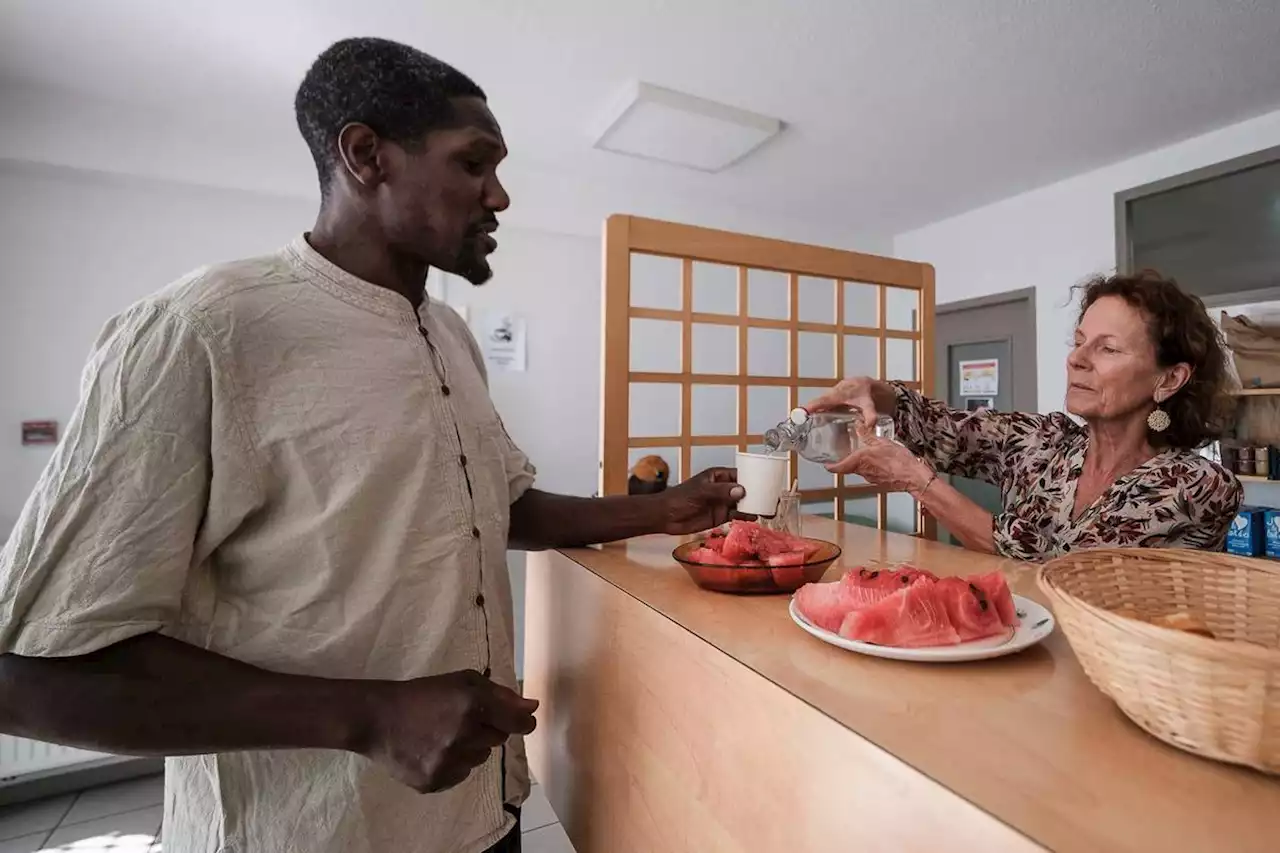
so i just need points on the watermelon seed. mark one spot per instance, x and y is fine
(1041, 623)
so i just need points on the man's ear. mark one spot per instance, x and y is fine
(358, 146)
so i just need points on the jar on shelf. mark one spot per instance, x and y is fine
(1244, 461)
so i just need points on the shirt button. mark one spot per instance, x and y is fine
(463, 460)
(444, 389)
(475, 532)
(480, 600)
(487, 672)
(423, 331)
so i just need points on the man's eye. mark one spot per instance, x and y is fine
(474, 167)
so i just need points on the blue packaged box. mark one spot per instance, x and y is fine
(1272, 544)
(1246, 538)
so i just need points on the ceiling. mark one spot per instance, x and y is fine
(898, 113)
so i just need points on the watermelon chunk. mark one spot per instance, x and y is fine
(715, 542)
(786, 558)
(827, 604)
(740, 544)
(709, 557)
(996, 589)
(913, 617)
(971, 614)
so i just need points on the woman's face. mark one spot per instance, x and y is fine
(1112, 372)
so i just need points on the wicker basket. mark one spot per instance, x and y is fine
(1219, 698)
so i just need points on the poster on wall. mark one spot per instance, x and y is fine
(503, 340)
(980, 378)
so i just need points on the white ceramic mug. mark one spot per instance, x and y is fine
(764, 478)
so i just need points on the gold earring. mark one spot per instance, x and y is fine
(1159, 420)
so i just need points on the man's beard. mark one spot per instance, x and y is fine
(472, 263)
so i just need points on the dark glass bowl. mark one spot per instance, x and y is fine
(757, 579)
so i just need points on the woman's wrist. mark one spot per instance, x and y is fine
(923, 481)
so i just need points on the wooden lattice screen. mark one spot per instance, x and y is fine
(711, 337)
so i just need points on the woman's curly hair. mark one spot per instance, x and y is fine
(1183, 333)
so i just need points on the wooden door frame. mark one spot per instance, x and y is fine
(625, 235)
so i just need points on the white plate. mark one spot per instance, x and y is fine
(1037, 623)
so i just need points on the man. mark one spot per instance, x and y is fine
(272, 542)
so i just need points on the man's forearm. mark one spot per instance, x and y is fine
(540, 520)
(152, 695)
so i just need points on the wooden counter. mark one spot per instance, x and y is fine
(675, 719)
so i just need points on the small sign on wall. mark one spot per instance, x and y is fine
(980, 378)
(39, 432)
(504, 340)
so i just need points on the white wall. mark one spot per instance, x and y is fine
(78, 246)
(1054, 237)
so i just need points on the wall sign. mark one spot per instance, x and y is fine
(39, 432)
(980, 378)
(503, 339)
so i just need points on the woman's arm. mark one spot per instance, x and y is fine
(968, 522)
(964, 444)
(889, 464)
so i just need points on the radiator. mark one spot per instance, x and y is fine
(19, 756)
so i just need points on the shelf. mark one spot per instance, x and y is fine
(1257, 392)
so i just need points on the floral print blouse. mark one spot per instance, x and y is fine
(1176, 499)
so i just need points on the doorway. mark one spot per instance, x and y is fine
(986, 359)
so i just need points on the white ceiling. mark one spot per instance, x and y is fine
(899, 112)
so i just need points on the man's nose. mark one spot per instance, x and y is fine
(495, 196)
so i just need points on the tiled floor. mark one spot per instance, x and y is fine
(125, 818)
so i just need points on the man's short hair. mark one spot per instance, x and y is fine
(398, 91)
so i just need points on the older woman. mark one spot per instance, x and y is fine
(1148, 377)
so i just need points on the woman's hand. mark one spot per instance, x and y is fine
(887, 464)
(869, 396)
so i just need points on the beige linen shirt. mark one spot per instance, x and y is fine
(281, 463)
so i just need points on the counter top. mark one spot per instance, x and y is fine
(1026, 738)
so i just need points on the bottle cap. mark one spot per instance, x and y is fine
(799, 416)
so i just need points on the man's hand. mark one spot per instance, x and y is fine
(430, 733)
(703, 502)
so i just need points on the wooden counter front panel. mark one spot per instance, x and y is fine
(651, 740)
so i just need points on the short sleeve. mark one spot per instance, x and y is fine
(104, 545)
(521, 474)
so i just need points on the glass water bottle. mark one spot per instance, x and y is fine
(823, 437)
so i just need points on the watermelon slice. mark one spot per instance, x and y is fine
(740, 544)
(913, 617)
(996, 589)
(967, 607)
(827, 604)
(890, 579)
